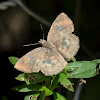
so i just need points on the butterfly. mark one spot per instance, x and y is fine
(61, 44)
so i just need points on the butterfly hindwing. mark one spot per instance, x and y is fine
(53, 63)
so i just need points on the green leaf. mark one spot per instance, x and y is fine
(54, 82)
(83, 69)
(27, 88)
(65, 82)
(69, 87)
(20, 77)
(13, 60)
(58, 96)
(23, 77)
(36, 78)
(21, 89)
(31, 78)
(96, 61)
(74, 59)
(32, 96)
(47, 91)
(63, 79)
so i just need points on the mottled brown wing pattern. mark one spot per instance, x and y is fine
(61, 36)
(62, 24)
(41, 59)
(30, 61)
(52, 65)
(54, 61)
(69, 45)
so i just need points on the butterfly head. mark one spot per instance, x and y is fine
(42, 41)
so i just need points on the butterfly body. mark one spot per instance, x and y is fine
(60, 44)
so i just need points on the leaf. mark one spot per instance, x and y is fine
(21, 89)
(74, 59)
(47, 91)
(32, 96)
(74, 65)
(36, 77)
(20, 77)
(13, 60)
(63, 79)
(84, 69)
(54, 82)
(65, 82)
(69, 87)
(27, 88)
(31, 78)
(58, 96)
(96, 61)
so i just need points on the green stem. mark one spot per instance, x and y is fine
(42, 96)
(47, 82)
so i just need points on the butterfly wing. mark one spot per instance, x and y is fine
(60, 35)
(41, 59)
(30, 61)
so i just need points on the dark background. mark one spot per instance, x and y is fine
(17, 28)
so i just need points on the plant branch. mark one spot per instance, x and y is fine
(34, 15)
(42, 96)
(78, 91)
(76, 21)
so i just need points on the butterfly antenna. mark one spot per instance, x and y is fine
(42, 30)
(30, 44)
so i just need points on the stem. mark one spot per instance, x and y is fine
(47, 82)
(34, 15)
(42, 96)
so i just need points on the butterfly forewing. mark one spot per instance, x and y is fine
(61, 36)
(41, 59)
(30, 61)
